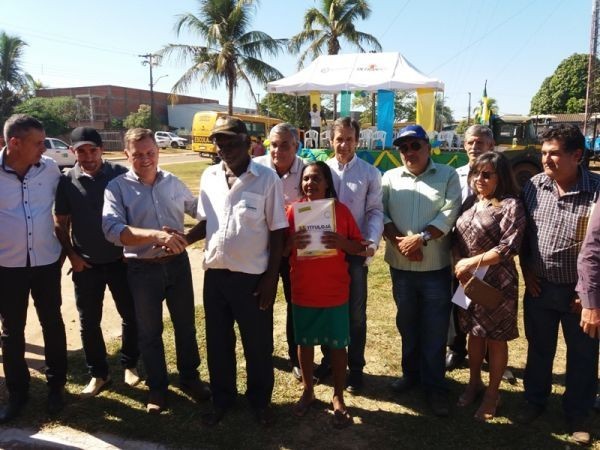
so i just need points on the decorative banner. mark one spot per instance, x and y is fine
(345, 100)
(426, 108)
(386, 159)
(385, 115)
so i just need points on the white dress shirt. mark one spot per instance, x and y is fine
(463, 174)
(358, 186)
(290, 179)
(26, 221)
(239, 220)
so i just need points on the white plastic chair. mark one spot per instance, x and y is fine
(364, 138)
(326, 139)
(311, 139)
(379, 135)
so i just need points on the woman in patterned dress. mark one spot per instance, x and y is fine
(489, 231)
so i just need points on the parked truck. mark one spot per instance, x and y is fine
(517, 138)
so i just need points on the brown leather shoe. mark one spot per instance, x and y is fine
(197, 389)
(157, 402)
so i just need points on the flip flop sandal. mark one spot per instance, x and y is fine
(341, 419)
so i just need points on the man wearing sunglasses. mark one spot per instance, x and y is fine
(421, 201)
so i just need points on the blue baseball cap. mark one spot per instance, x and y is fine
(412, 131)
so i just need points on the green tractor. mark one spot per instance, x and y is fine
(516, 137)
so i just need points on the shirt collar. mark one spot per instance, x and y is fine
(583, 183)
(431, 167)
(9, 169)
(130, 174)
(348, 165)
(80, 173)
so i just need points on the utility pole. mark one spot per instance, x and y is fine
(469, 111)
(149, 60)
(590, 96)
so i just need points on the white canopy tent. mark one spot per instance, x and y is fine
(355, 72)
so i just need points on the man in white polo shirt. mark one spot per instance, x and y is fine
(282, 158)
(241, 213)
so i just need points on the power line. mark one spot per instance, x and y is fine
(486, 35)
(65, 40)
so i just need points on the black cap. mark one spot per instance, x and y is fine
(228, 125)
(85, 135)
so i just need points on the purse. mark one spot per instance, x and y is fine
(482, 293)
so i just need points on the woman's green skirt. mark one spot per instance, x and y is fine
(328, 326)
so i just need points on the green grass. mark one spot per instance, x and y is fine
(382, 419)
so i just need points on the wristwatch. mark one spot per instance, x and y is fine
(426, 236)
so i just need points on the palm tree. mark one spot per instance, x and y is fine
(13, 80)
(326, 26)
(492, 106)
(229, 53)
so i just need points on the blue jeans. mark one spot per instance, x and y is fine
(150, 284)
(542, 316)
(357, 304)
(423, 302)
(90, 285)
(229, 299)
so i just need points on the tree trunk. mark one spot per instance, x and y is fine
(230, 101)
(334, 106)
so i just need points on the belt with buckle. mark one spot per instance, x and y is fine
(159, 260)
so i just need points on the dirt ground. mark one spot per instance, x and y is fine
(111, 321)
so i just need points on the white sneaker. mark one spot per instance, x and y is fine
(95, 386)
(132, 377)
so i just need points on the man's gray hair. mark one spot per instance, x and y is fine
(479, 130)
(285, 127)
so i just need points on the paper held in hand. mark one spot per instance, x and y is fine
(315, 217)
(459, 297)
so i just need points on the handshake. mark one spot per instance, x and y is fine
(172, 241)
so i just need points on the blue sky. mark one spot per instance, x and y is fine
(514, 44)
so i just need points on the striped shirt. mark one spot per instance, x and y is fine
(414, 202)
(556, 225)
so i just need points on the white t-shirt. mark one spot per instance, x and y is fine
(315, 118)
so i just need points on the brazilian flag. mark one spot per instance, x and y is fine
(484, 119)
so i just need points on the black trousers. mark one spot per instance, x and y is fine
(43, 282)
(228, 298)
(284, 274)
(90, 285)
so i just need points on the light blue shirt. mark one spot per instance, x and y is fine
(414, 202)
(358, 186)
(26, 221)
(128, 201)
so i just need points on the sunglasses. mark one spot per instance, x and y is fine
(229, 145)
(484, 174)
(415, 146)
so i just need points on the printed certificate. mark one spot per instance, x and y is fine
(316, 217)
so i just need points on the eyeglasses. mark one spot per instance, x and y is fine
(415, 146)
(484, 174)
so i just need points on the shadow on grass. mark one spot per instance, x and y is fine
(382, 419)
